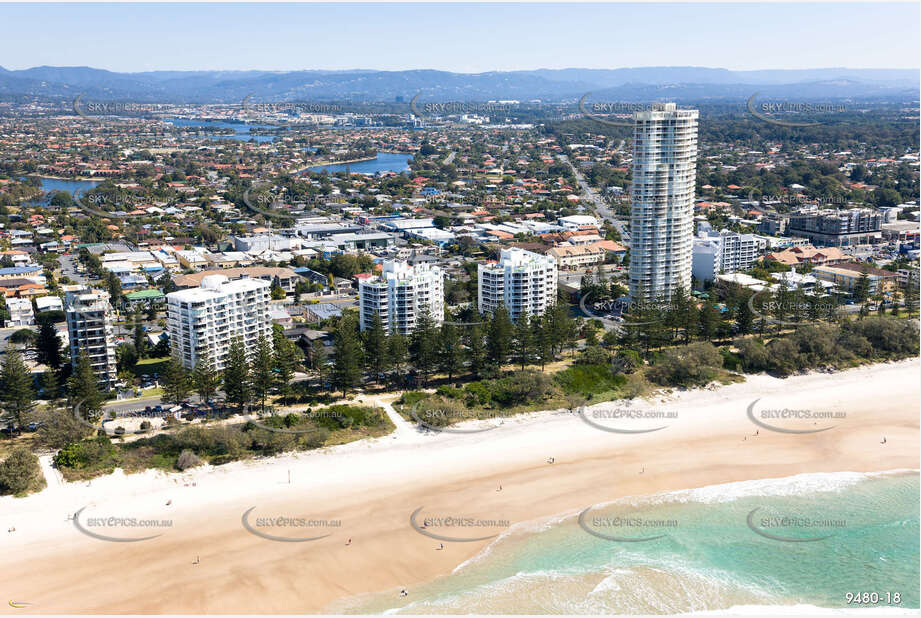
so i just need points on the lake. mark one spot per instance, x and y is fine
(241, 131)
(385, 162)
(74, 187)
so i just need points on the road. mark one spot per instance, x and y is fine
(601, 206)
(120, 407)
(69, 268)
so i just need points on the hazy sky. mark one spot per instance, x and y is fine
(459, 37)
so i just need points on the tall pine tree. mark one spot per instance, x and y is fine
(346, 373)
(523, 342)
(377, 355)
(83, 387)
(288, 358)
(397, 350)
(261, 370)
(424, 344)
(48, 346)
(16, 385)
(499, 337)
(450, 354)
(237, 376)
(205, 379)
(176, 382)
(476, 350)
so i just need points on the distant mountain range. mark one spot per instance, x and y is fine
(682, 84)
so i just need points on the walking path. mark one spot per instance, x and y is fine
(405, 430)
(53, 478)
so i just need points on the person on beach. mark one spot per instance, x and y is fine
(440, 546)
(403, 592)
(197, 560)
(500, 487)
(884, 440)
(349, 542)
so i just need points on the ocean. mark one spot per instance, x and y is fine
(835, 540)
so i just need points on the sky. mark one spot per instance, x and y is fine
(459, 37)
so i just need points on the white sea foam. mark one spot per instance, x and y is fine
(798, 485)
(522, 528)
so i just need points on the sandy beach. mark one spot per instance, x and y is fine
(205, 560)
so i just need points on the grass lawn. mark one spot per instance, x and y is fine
(151, 366)
(148, 393)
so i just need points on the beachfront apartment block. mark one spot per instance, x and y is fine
(661, 217)
(723, 252)
(207, 319)
(400, 295)
(525, 282)
(90, 330)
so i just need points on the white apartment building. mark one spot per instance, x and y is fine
(21, 313)
(90, 330)
(576, 222)
(723, 252)
(664, 175)
(400, 294)
(525, 282)
(265, 242)
(210, 317)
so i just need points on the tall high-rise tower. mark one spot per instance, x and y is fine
(400, 295)
(661, 219)
(523, 281)
(89, 328)
(206, 320)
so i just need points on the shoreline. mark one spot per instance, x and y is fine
(372, 486)
(360, 160)
(76, 179)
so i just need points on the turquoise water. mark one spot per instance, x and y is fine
(385, 162)
(709, 558)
